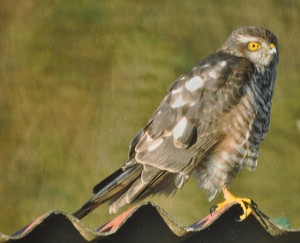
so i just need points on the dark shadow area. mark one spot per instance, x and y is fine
(149, 223)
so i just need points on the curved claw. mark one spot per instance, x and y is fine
(246, 204)
(212, 209)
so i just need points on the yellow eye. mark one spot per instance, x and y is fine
(253, 46)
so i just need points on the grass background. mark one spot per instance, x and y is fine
(80, 78)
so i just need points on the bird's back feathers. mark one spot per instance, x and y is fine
(177, 136)
(209, 121)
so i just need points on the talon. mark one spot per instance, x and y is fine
(212, 209)
(246, 204)
(253, 204)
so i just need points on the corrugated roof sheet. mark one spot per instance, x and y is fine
(149, 223)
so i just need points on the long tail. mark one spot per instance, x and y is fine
(109, 188)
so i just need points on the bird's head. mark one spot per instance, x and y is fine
(257, 44)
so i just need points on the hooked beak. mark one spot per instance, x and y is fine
(272, 49)
(274, 52)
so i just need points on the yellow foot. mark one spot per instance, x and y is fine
(246, 203)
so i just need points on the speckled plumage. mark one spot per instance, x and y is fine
(211, 121)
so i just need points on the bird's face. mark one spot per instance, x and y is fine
(260, 51)
(259, 45)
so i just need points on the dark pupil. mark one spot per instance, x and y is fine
(253, 45)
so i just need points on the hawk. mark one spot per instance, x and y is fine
(211, 121)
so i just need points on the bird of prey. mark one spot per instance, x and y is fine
(211, 121)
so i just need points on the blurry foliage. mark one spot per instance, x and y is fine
(80, 78)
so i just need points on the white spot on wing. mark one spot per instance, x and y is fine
(176, 91)
(178, 130)
(194, 83)
(205, 65)
(148, 139)
(178, 102)
(155, 145)
(223, 63)
(213, 74)
(147, 143)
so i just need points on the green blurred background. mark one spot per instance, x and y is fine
(80, 78)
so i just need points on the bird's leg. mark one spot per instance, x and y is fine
(245, 203)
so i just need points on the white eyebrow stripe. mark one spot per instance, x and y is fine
(246, 39)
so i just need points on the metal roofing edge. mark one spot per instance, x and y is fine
(147, 222)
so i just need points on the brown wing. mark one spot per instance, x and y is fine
(189, 120)
(187, 125)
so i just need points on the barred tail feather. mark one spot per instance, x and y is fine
(110, 188)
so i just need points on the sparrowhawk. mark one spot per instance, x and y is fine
(211, 121)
